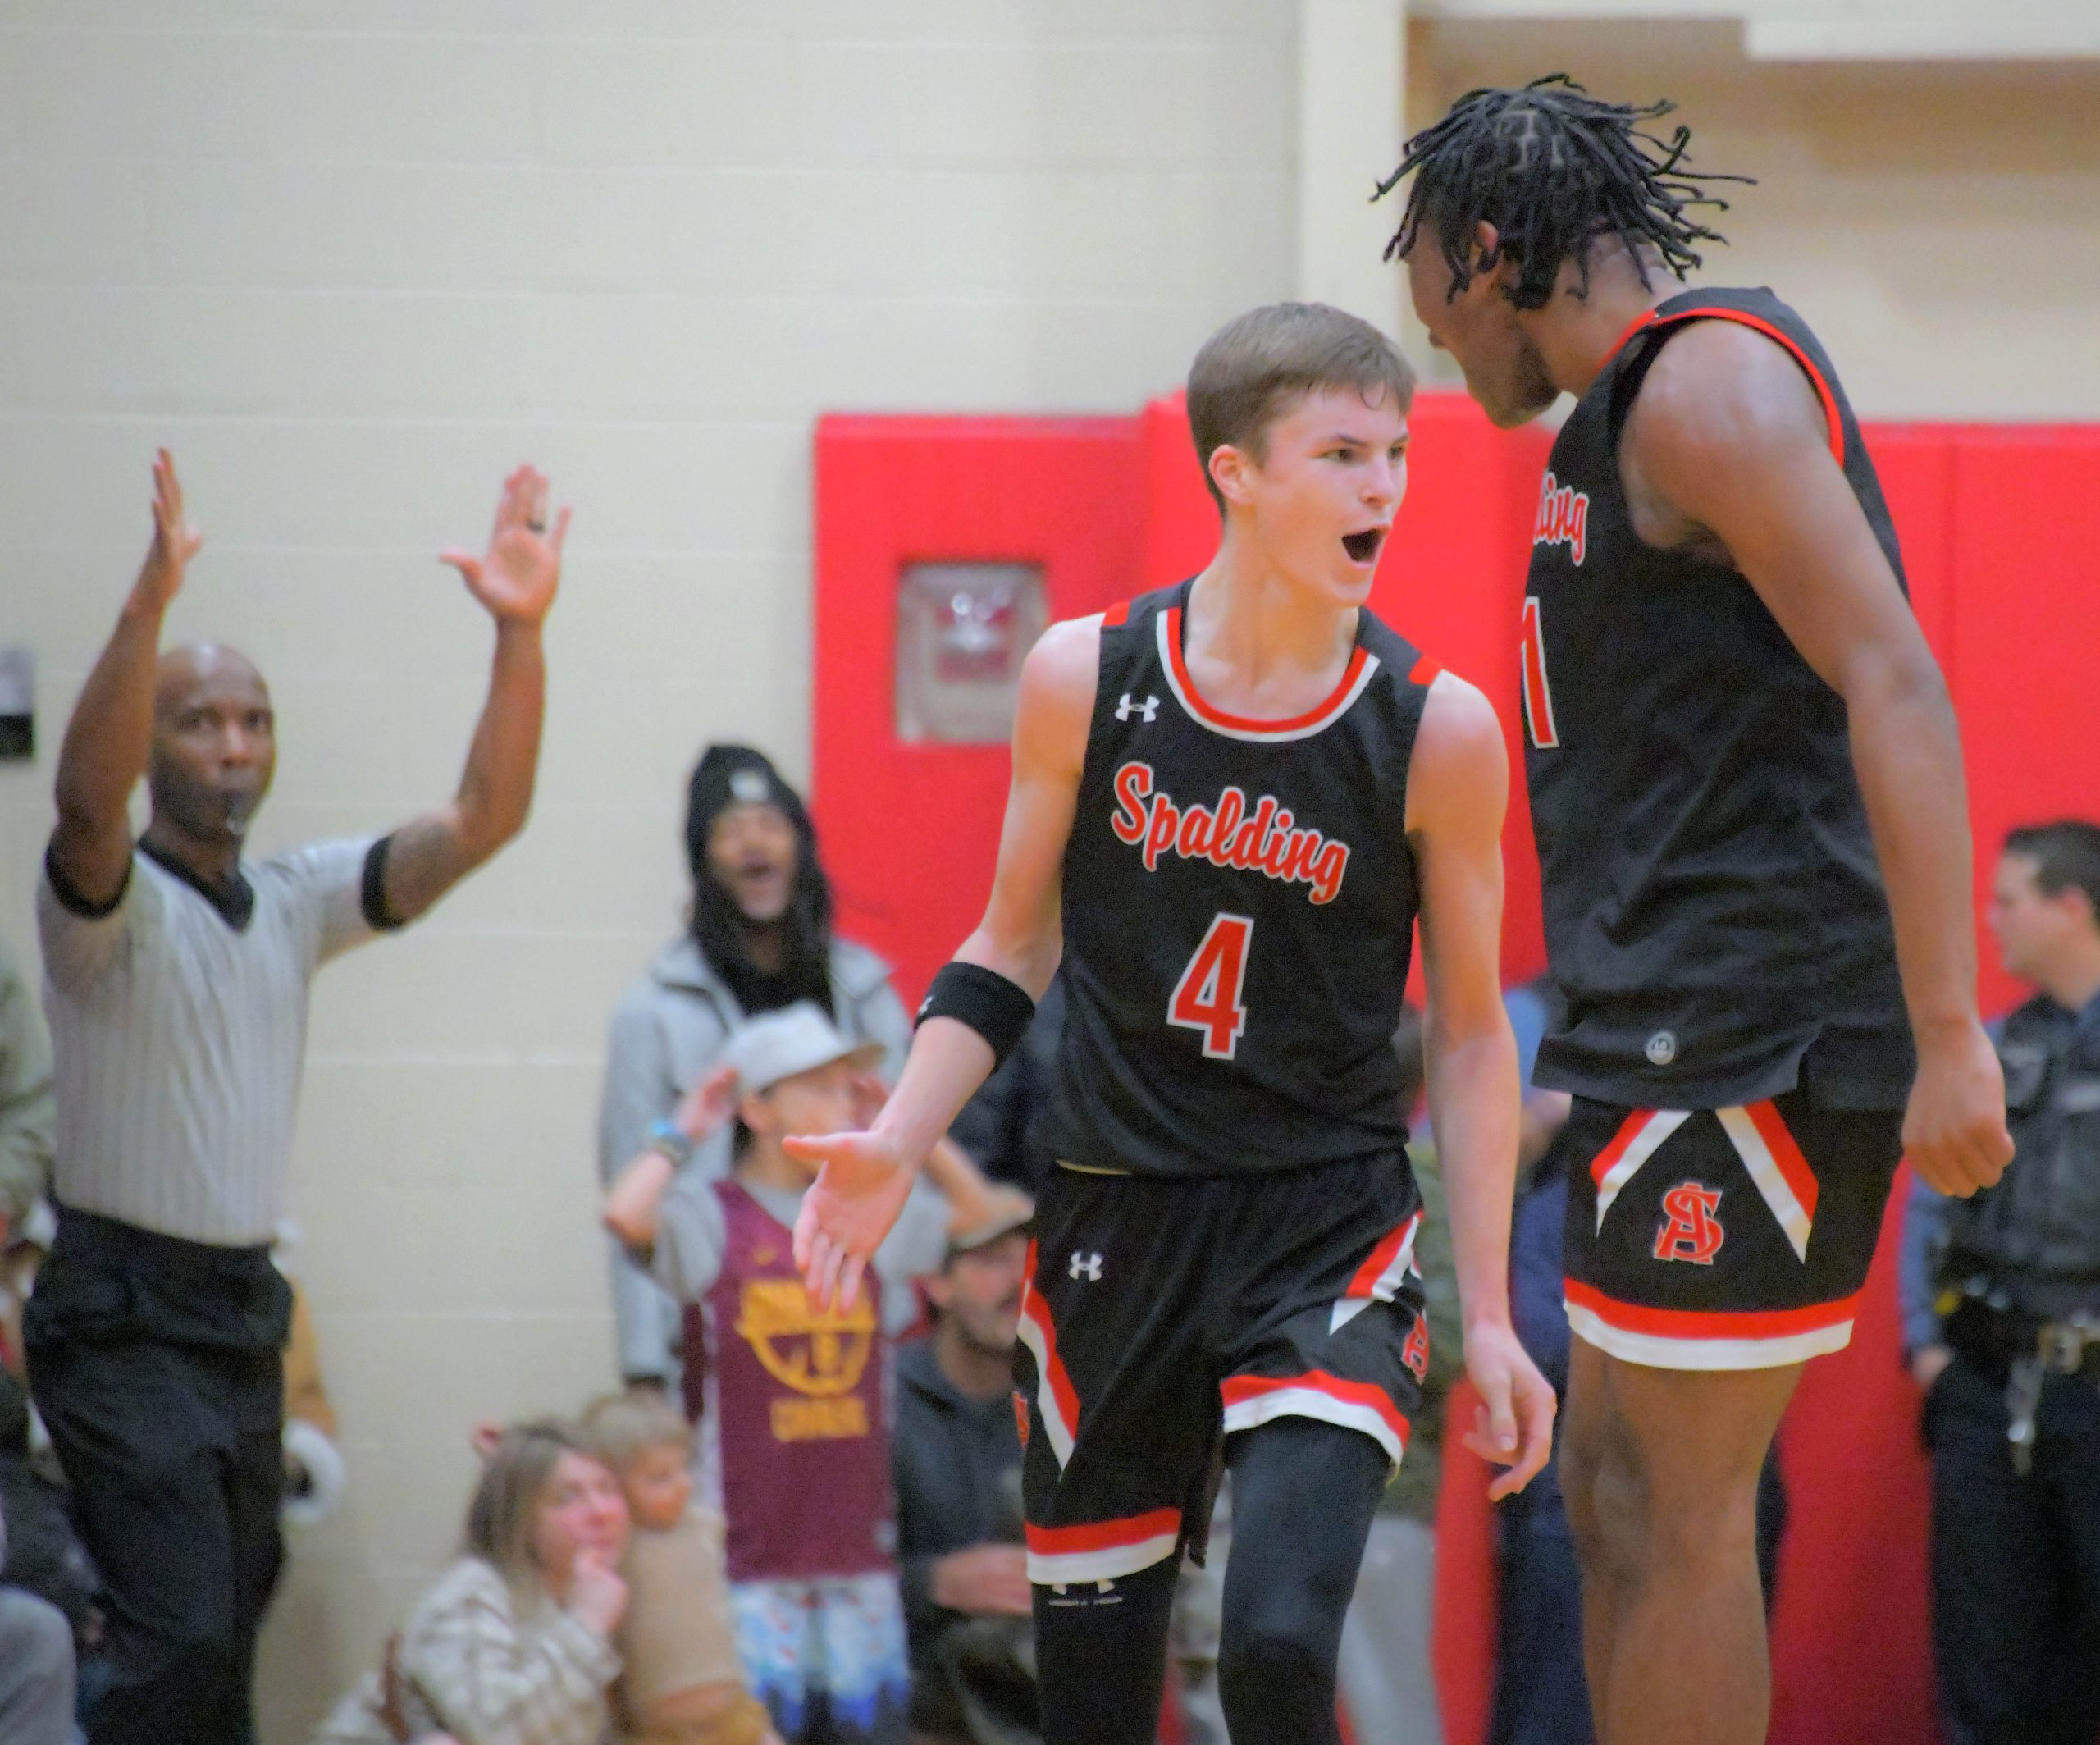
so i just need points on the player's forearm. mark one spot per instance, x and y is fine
(1027, 959)
(948, 1061)
(1473, 1111)
(110, 737)
(1907, 754)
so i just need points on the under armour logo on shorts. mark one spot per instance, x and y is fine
(1148, 708)
(1085, 1265)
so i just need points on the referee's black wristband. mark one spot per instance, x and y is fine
(998, 1010)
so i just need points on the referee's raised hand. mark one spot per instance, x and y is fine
(174, 540)
(516, 577)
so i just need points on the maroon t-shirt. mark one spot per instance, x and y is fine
(799, 1413)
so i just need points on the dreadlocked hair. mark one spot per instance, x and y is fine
(1552, 168)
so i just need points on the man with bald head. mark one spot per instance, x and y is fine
(177, 979)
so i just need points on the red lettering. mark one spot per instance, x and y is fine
(1564, 518)
(1297, 867)
(1327, 872)
(1133, 784)
(1194, 842)
(1275, 848)
(1247, 843)
(1231, 808)
(1166, 821)
(1271, 841)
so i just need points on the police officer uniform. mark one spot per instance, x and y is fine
(2014, 1421)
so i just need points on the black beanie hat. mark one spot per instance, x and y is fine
(725, 776)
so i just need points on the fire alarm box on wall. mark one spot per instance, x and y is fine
(962, 631)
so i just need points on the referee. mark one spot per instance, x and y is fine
(176, 980)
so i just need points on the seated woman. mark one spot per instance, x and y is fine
(514, 1646)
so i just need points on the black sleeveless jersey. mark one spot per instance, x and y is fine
(1716, 926)
(1238, 908)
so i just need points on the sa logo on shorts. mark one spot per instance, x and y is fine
(1415, 1353)
(1692, 1225)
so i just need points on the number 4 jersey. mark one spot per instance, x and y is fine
(1239, 910)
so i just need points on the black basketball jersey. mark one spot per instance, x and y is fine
(1238, 908)
(1716, 926)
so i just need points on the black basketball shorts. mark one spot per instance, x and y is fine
(1159, 1313)
(1723, 1239)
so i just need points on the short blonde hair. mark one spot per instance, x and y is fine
(619, 1427)
(1252, 370)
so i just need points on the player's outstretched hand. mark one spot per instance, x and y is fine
(1512, 1426)
(848, 1210)
(1954, 1131)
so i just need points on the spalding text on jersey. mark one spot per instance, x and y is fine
(1260, 839)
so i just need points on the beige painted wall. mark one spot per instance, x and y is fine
(353, 259)
(1939, 224)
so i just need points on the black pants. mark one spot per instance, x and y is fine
(158, 1368)
(1303, 1495)
(2015, 1563)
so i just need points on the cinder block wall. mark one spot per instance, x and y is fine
(352, 259)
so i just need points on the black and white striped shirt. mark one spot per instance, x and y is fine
(178, 1023)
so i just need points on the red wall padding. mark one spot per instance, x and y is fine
(2006, 579)
(910, 831)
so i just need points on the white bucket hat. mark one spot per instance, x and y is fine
(796, 1039)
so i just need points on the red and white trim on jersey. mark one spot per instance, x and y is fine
(1253, 1399)
(1104, 1552)
(1639, 1138)
(1362, 666)
(1379, 1279)
(1777, 1166)
(1742, 317)
(1703, 1339)
(1055, 1398)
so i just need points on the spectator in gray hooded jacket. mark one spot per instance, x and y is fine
(759, 939)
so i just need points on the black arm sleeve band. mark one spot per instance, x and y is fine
(372, 897)
(998, 1010)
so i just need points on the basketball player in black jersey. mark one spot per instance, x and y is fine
(1230, 799)
(1748, 797)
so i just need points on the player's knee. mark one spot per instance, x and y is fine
(1714, 1525)
(1269, 1650)
(1633, 1519)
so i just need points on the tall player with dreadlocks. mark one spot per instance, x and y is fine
(1748, 797)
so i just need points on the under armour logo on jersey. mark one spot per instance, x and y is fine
(1692, 1225)
(1127, 708)
(1085, 1265)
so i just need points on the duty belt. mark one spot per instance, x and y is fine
(2061, 1347)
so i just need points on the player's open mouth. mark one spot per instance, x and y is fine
(1363, 547)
